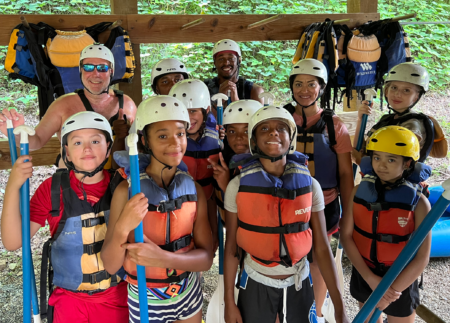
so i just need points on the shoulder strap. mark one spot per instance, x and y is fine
(86, 103)
(240, 88)
(56, 191)
(248, 86)
(46, 268)
(328, 117)
(119, 95)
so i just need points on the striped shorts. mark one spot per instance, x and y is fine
(179, 307)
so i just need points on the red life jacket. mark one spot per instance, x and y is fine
(384, 218)
(169, 223)
(274, 212)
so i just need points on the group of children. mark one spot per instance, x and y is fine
(279, 180)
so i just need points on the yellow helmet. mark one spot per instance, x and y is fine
(395, 140)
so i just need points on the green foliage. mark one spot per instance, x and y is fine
(267, 63)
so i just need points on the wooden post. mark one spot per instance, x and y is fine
(133, 90)
(363, 6)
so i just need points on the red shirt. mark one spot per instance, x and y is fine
(41, 202)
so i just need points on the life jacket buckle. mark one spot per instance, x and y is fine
(377, 207)
(388, 238)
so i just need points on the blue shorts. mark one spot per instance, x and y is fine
(168, 309)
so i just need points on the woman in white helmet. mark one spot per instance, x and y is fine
(323, 137)
(172, 208)
(274, 210)
(166, 73)
(227, 60)
(74, 202)
(235, 120)
(405, 85)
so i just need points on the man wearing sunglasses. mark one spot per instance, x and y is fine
(227, 62)
(96, 72)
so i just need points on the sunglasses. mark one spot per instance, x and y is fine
(101, 68)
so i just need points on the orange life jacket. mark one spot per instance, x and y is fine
(274, 212)
(169, 223)
(198, 152)
(383, 217)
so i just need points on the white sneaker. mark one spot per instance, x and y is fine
(320, 319)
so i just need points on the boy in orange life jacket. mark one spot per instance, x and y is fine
(202, 143)
(392, 178)
(74, 208)
(274, 210)
(235, 120)
(172, 208)
(405, 85)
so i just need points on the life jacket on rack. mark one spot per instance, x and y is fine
(71, 258)
(274, 212)
(384, 218)
(390, 120)
(199, 151)
(317, 143)
(169, 221)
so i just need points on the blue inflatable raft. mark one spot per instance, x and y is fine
(440, 235)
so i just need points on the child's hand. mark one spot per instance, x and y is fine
(147, 254)
(389, 297)
(221, 133)
(364, 108)
(20, 172)
(13, 115)
(132, 214)
(232, 313)
(221, 172)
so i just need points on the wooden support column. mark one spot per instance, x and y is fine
(133, 90)
(363, 6)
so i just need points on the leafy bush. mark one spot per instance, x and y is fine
(267, 63)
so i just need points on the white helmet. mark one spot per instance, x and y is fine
(273, 112)
(312, 67)
(161, 108)
(241, 111)
(168, 66)
(97, 50)
(193, 93)
(85, 120)
(411, 73)
(226, 45)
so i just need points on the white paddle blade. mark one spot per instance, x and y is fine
(216, 306)
(328, 307)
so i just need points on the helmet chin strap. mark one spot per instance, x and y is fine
(314, 102)
(103, 92)
(408, 109)
(152, 155)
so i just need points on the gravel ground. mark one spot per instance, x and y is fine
(436, 293)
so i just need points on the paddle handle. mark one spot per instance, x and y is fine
(362, 131)
(139, 231)
(229, 97)
(221, 255)
(11, 141)
(405, 255)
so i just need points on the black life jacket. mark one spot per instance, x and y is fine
(244, 87)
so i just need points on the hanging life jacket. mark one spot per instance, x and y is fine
(120, 45)
(244, 87)
(317, 143)
(390, 120)
(198, 153)
(274, 212)
(71, 258)
(384, 219)
(169, 221)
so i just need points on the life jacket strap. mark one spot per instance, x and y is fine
(172, 205)
(380, 237)
(285, 229)
(202, 154)
(169, 280)
(96, 277)
(280, 192)
(205, 181)
(305, 139)
(384, 206)
(93, 248)
(178, 244)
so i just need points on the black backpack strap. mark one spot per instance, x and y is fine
(56, 192)
(86, 103)
(46, 272)
(328, 118)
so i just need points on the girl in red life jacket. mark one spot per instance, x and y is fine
(405, 85)
(385, 210)
(274, 210)
(202, 141)
(235, 120)
(325, 139)
(172, 208)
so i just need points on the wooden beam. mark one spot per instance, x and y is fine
(145, 29)
(133, 90)
(362, 6)
(42, 157)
